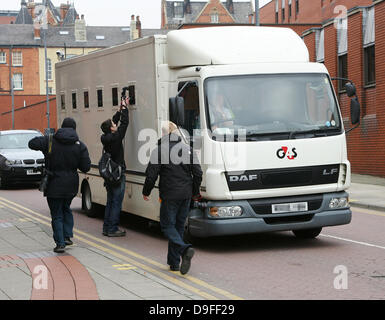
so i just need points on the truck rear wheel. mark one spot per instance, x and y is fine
(307, 233)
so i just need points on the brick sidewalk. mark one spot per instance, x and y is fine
(30, 270)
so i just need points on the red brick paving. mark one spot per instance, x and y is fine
(68, 279)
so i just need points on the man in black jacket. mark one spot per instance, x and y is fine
(68, 154)
(112, 143)
(180, 179)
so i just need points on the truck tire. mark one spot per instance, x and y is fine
(87, 205)
(3, 183)
(307, 233)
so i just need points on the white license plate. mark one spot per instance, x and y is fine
(289, 207)
(31, 171)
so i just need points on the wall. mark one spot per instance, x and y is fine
(33, 116)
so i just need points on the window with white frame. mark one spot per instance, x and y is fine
(18, 81)
(17, 58)
(369, 32)
(49, 69)
(3, 57)
(342, 40)
(214, 16)
(320, 45)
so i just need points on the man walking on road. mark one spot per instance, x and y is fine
(112, 143)
(68, 154)
(180, 179)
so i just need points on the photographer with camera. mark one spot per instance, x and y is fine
(66, 155)
(111, 139)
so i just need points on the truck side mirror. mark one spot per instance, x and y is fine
(176, 110)
(350, 89)
(355, 110)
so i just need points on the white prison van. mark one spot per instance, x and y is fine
(275, 160)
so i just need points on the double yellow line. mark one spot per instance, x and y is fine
(129, 257)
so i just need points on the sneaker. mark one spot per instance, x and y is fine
(68, 242)
(59, 249)
(117, 233)
(174, 268)
(186, 260)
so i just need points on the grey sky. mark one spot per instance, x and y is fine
(111, 12)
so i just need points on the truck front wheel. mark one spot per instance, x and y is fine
(307, 233)
(87, 205)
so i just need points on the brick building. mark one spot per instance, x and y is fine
(348, 36)
(187, 14)
(22, 57)
(8, 16)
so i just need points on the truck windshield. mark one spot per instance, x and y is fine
(267, 107)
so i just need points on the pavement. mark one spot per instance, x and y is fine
(92, 269)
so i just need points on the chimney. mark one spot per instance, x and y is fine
(187, 7)
(63, 10)
(138, 27)
(133, 31)
(80, 29)
(230, 6)
(36, 33)
(31, 8)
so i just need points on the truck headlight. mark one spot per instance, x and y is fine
(337, 203)
(12, 162)
(225, 212)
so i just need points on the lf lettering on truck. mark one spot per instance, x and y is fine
(264, 121)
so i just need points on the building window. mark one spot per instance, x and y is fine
(115, 97)
(342, 71)
(17, 58)
(3, 57)
(276, 11)
(74, 104)
(49, 69)
(63, 101)
(320, 45)
(296, 6)
(178, 9)
(283, 10)
(18, 81)
(86, 100)
(290, 9)
(369, 65)
(214, 16)
(50, 90)
(100, 98)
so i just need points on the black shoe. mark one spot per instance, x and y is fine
(186, 260)
(117, 233)
(68, 242)
(59, 249)
(105, 233)
(174, 268)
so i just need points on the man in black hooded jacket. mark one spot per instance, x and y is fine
(68, 154)
(180, 178)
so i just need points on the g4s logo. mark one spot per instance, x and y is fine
(284, 152)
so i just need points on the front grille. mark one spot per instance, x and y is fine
(291, 219)
(29, 161)
(282, 177)
(314, 202)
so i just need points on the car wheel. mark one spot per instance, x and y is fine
(3, 183)
(307, 233)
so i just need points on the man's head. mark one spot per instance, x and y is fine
(168, 127)
(69, 123)
(108, 126)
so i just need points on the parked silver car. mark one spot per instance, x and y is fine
(18, 163)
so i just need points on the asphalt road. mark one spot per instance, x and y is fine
(344, 262)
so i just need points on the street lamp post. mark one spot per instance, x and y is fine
(257, 12)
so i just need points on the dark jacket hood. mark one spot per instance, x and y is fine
(66, 136)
